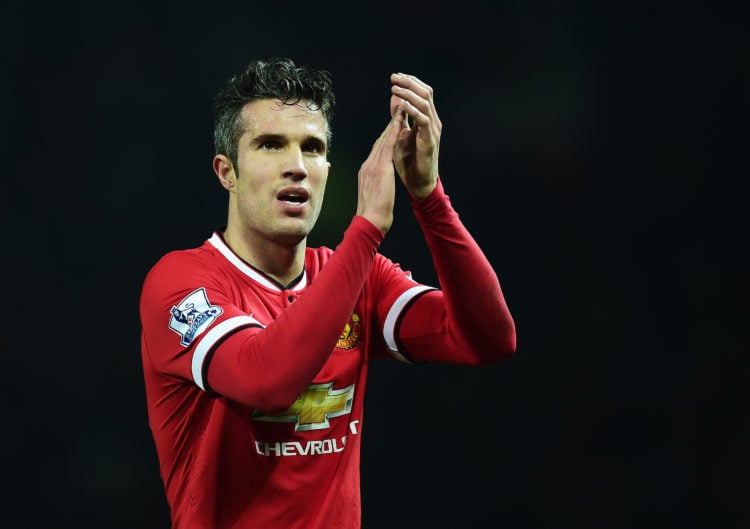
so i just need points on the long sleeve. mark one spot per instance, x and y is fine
(263, 368)
(468, 320)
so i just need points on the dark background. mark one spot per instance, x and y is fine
(595, 150)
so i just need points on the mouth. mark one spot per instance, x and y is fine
(294, 196)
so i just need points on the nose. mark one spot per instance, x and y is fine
(294, 164)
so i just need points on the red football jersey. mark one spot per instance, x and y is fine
(226, 464)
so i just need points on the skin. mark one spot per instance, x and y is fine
(416, 152)
(283, 152)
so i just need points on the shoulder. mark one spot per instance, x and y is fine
(179, 259)
(176, 265)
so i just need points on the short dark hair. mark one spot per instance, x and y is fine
(273, 78)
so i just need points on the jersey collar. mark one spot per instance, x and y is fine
(253, 273)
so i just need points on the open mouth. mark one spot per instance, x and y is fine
(297, 195)
(291, 197)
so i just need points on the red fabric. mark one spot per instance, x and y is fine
(255, 391)
(468, 320)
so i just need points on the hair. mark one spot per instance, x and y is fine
(273, 78)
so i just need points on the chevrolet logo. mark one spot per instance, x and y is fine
(313, 408)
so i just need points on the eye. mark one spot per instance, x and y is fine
(314, 146)
(270, 145)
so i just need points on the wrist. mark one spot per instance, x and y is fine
(422, 192)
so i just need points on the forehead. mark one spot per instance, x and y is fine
(271, 116)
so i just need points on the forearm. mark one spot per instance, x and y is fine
(472, 311)
(268, 368)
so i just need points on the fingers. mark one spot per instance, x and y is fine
(395, 103)
(416, 153)
(385, 144)
(376, 176)
(418, 101)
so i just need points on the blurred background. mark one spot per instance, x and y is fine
(595, 150)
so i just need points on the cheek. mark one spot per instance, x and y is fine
(252, 176)
(250, 193)
(317, 174)
(320, 170)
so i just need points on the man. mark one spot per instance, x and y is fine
(255, 347)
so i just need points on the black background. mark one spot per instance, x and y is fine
(595, 150)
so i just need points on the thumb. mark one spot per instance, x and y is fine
(395, 103)
(396, 106)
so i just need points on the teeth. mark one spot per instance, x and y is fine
(294, 196)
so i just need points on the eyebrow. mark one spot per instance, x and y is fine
(268, 137)
(281, 138)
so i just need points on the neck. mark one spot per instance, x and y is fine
(282, 262)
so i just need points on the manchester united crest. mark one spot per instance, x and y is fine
(351, 334)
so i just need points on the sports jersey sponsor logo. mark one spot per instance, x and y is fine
(305, 448)
(350, 335)
(313, 408)
(193, 315)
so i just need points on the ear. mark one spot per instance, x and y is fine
(224, 171)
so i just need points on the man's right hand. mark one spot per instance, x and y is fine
(376, 179)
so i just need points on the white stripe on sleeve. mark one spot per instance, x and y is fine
(210, 339)
(389, 328)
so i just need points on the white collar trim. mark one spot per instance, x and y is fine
(217, 242)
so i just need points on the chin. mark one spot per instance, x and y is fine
(292, 234)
